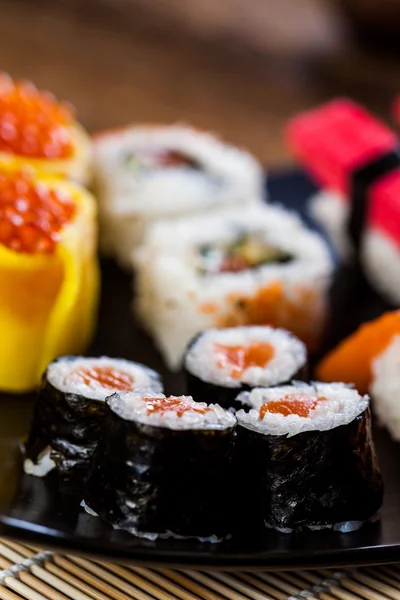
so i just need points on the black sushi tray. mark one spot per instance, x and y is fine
(43, 512)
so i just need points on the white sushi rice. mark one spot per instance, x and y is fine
(381, 262)
(385, 389)
(172, 292)
(64, 375)
(43, 464)
(132, 406)
(380, 256)
(132, 196)
(289, 356)
(342, 405)
(331, 211)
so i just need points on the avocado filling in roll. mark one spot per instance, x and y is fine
(247, 251)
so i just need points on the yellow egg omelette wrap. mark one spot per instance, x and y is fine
(48, 302)
(77, 167)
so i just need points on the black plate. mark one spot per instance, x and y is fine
(39, 511)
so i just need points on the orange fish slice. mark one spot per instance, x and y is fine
(351, 361)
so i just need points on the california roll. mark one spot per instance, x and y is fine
(232, 268)
(144, 173)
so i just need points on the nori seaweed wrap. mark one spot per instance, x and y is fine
(163, 467)
(220, 363)
(70, 409)
(305, 458)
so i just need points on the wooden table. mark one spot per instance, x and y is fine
(116, 72)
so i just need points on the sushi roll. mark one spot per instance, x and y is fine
(232, 268)
(39, 132)
(145, 173)
(163, 467)
(70, 409)
(355, 158)
(49, 275)
(305, 458)
(369, 358)
(219, 363)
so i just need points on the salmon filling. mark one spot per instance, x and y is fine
(33, 123)
(31, 215)
(176, 404)
(292, 404)
(107, 377)
(237, 359)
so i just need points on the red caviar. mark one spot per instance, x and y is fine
(31, 214)
(239, 358)
(33, 123)
(177, 404)
(292, 404)
(108, 377)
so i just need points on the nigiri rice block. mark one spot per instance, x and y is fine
(331, 211)
(379, 253)
(380, 257)
(385, 388)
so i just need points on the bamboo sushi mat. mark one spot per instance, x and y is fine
(33, 574)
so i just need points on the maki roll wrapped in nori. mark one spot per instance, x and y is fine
(70, 408)
(163, 467)
(219, 363)
(305, 458)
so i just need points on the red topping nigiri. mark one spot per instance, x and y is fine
(335, 139)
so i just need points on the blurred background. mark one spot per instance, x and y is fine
(238, 67)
